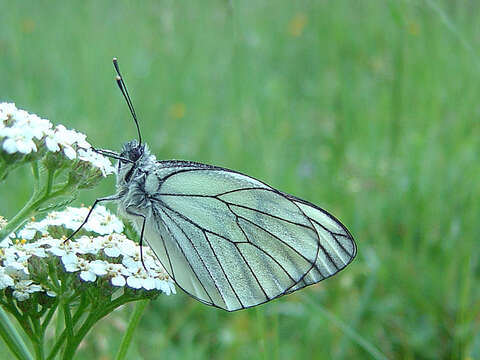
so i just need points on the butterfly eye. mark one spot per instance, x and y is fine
(137, 153)
(129, 174)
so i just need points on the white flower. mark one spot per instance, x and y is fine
(15, 264)
(3, 221)
(17, 140)
(24, 250)
(63, 248)
(6, 242)
(89, 270)
(93, 269)
(66, 138)
(101, 221)
(32, 125)
(112, 257)
(116, 273)
(140, 279)
(23, 129)
(6, 110)
(15, 259)
(70, 261)
(88, 245)
(134, 281)
(154, 278)
(97, 160)
(51, 141)
(168, 287)
(27, 233)
(15, 274)
(24, 288)
(18, 129)
(5, 279)
(111, 244)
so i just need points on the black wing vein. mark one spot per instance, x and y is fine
(188, 261)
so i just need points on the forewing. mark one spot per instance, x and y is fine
(234, 242)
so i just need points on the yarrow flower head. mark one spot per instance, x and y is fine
(22, 133)
(102, 255)
(100, 222)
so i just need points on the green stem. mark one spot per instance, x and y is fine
(127, 337)
(36, 177)
(21, 318)
(38, 344)
(50, 178)
(19, 219)
(61, 339)
(30, 209)
(49, 316)
(91, 320)
(12, 338)
(3, 170)
(121, 300)
(72, 344)
(68, 323)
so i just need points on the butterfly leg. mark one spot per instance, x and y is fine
(108, 198)
(130, 212)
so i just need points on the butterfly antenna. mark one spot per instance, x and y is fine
(123, 89)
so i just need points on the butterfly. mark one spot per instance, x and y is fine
(226, 239)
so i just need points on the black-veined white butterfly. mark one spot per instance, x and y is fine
(227, 239)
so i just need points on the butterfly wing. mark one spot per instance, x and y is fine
(233, 242)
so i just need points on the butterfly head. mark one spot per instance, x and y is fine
(134, 152)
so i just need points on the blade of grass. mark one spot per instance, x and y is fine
(12, 338)
(349, 331)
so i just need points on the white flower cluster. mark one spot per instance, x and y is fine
(19, 130)
(14, 271)
(112, 257)
(101, 222)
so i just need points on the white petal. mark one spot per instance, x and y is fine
(148, 283)
(10, 146)
(5, 243)
(5, 280)
(70, 261)
(88, 276)
(26, 146)
(20, 295)
(69, 152)
(98, 267)
(52, 144)
(112, 251)
(34, 288)
(118, 281)
(134, 282)
(27, 233)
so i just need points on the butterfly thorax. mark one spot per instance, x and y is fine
(135, 179)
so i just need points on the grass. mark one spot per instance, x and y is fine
(369, 109)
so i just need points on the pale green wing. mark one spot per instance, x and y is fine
(337, 247)
(234, 242)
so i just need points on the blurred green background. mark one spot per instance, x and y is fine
(367, 108)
